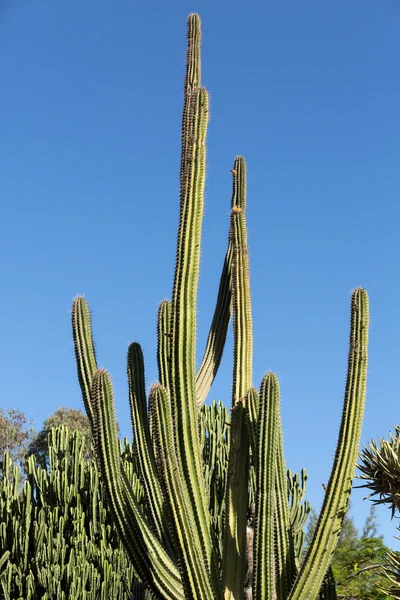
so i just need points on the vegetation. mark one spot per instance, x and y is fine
(200, 505)
(380, 473)
(177, 540)
(56, 538)
(359, 561)
(15, 434)
(74, 419)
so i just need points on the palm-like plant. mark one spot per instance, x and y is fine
(380, 472)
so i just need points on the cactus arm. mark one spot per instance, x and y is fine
(327, 533)
(142, 442)
(183, 316)
(4, 558)
(252, 404)
(164, 342)
(85, 354)
(150, 559)
(264, 539)
(242, 325)
(217, 335)
(195, 577)
(236, 501)
(298, 512)
(285, 553)
(234, 563)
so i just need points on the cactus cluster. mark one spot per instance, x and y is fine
(57, 541)
(189, 538)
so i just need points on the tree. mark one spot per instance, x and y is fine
(370, 529)
(72, 418)
(348, 534)
(358, 569)
(358, 561)
(15, 434)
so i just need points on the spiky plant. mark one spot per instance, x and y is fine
(380, 471)
(179, 547)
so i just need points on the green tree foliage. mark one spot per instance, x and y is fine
(72, 418)
(15, 434)
(358, 560)
(370, 529)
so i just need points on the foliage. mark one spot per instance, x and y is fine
(358, 569)
(359, 561)
(370, 529)
(178, 543)
(380, 470)
(15, 434)
(72, 418)
(380, 474)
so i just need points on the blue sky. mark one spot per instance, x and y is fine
(90, 112)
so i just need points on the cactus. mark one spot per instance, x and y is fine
(56, 538)
(190, 539)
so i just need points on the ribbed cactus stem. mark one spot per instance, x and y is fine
(183, 318)
(84, 351)
(334, 508)
(143, 445)
(264, 586)
(242, 318)
(164, 342)
(195, 576)
(150, 558)
(234, 559)
(217, 335)
(286, 569)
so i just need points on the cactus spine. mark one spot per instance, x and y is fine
(189, 541)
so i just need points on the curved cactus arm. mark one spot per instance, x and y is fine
(149, 558)
(298, 511)
(85, 354)
(264, 582)
(252, 404)
(184, 298)
(218, 331)
(286, 570)
(193, 563)
(4, 558)
(142, 442)
(324, 542)
(234, 563)
(164, 342)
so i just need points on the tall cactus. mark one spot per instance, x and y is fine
(187, 542)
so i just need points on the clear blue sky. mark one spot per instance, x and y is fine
(90, 105)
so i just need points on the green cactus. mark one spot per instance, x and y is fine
(56, 538)
(190, 539)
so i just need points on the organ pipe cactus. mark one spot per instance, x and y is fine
(180, 545)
